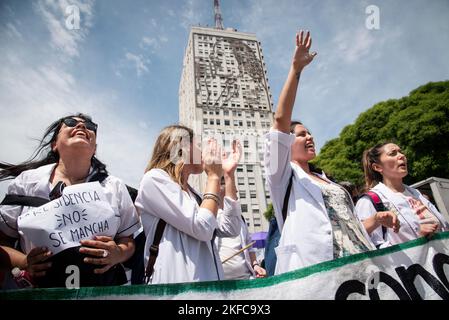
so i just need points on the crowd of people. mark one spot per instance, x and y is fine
(65, 209)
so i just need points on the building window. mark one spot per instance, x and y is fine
(211, 121)
(251, 181)
(218, 121)
(244, 208)
(204, 121)
(249, 168)
(226, 122)
(242, 194)
(226, 112)
(252, 194)
(241, 181)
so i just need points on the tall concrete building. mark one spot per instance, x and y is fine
(224, 93)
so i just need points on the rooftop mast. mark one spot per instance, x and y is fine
(218, 18)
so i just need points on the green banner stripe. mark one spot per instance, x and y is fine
(161, 290)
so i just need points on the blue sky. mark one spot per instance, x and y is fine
(123, 65)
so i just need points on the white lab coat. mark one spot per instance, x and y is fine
(306, 235)
(408, 219)
(186, 251)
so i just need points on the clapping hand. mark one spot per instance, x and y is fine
(231, 160)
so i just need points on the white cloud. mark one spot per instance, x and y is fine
(53, 13)
(34, 94)
(140, 63)
(12, 31)
(149, 42)
(192, 13)
(353, 46)
(154, 44)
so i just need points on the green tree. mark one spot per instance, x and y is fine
(269, 213)
(418, 123)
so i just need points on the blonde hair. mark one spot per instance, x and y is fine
(169, 154)
(370, 157)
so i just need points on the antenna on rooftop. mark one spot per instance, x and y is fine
(218, 18)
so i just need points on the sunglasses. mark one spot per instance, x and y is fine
(71, 122)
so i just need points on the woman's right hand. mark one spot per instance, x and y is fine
(388, 219)
(36, 265)
(212, 159)
(302, 57)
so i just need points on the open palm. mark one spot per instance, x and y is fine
(231, 160)
(302, 57)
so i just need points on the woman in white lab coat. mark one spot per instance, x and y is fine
(408, 214)
(320, 224)
(187, 252)
(69, 146)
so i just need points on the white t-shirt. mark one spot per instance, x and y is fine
(239, 266)
(408, 206)
(420, 209)
(36, 183)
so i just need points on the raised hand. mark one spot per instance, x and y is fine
(230, 162)
(212, 159)
(302, 57)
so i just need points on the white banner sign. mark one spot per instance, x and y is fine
(81, 213)
(414, 270)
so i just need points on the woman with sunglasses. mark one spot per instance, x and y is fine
(320, 223)
(98, 248)
(404, 213)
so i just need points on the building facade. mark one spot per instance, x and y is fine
(224, 93)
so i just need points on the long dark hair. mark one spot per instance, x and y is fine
(45, 153)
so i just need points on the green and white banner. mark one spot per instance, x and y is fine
(417, 269)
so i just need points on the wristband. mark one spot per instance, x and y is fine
(212, 198)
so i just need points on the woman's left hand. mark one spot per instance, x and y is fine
(230, 162)
(428, 229)
(106, 250)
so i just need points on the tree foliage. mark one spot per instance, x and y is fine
(418, 123)
(269, 213)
